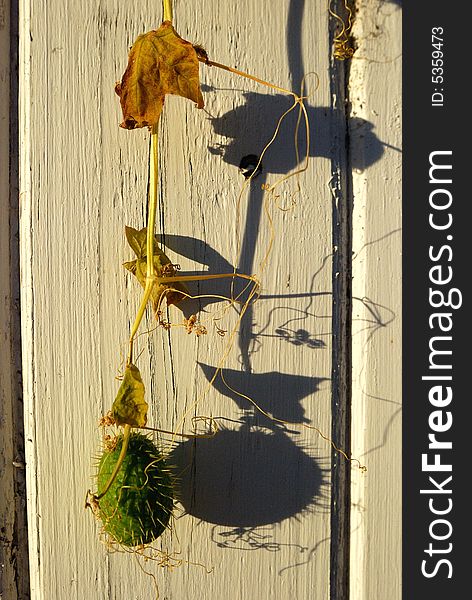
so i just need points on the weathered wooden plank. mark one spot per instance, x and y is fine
(257, 496)
(375, 93)
(14, 582)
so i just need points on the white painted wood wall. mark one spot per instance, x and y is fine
(375, 96)
(260, 517)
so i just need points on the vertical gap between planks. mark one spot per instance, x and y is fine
(14, 571)
(341, 186)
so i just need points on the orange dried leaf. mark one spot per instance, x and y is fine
(160, 62)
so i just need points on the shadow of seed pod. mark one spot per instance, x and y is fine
(137, 507)
(245, 478)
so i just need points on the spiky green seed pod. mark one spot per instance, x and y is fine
(137, 507)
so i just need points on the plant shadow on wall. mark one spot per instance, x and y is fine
(256, 118)
(253, 475)
(256, 475)
(247, 478)
(289, 329)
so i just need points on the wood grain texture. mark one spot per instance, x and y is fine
(257, 497)
(375, 132)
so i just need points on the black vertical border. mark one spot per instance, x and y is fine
(428, 128)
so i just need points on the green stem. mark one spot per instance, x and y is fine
(152, 209)
(119, 462)
(167, 5)
(139, 318)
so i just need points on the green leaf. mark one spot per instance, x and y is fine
(130, 407)
(137, 241)
(160, 62)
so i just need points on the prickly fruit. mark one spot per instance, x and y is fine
(137, 507)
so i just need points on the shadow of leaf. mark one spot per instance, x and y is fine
(278, 394)
(247, 128)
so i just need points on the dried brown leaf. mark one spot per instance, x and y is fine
(160, 62)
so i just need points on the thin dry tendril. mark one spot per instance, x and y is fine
(342, 41)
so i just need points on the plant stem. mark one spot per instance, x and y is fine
(185, 278)
(212, 63)
(167, 5)
(152, 209)
(119, 462)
